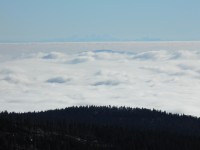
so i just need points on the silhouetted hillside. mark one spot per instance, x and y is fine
(93, 127)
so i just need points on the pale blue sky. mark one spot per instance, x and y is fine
(99, 20)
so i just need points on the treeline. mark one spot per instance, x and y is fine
(99, 128)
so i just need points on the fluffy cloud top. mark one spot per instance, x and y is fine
(167, 80)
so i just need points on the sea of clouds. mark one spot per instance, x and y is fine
(163, 78)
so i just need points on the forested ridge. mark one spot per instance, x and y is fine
(99, 128)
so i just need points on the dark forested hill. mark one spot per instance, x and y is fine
(99, 128)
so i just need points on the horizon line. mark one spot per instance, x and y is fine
(60, 42)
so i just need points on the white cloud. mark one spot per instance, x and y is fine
(165, 79)
(53, 55)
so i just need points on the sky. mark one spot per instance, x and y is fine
(102, 20)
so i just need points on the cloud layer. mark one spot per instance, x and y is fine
(167, 80)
